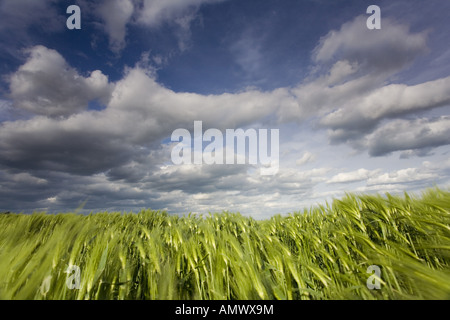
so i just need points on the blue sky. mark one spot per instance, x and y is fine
(86, 115)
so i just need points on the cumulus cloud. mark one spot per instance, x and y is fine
(306, 158)
(117, 15)
(46, 85)
(26, 178)
(409, 135)
(351, 65)
(352, 95)
(383, 180)
(391, 49)
(232, 188)
(401, 176)
(425, 152)
(139, 114)
(389, 101)
(115, 157)
(155, 12)
(354, 176)
(141, 95)
(176, 188)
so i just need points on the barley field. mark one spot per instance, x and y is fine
(321, 253)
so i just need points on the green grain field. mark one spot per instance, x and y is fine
(320, 253)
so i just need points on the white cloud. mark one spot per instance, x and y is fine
(423, 175)
(201, 196)
(389, 101)
(116, 14)
(354, 176)
(140, 94)
(306, 158)
(46, 85)
(409, 135)
(392, 48)
(178, 13)
(52, 200)
(63, 142)
(155, 12)
(351, 65)
(25, 177)
(352, 94)
(139, 113)
(401, 176)
(247, 52)
(340, 71)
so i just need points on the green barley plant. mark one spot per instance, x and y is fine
(317, 254)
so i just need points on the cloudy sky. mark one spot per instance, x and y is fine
(86, 116)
